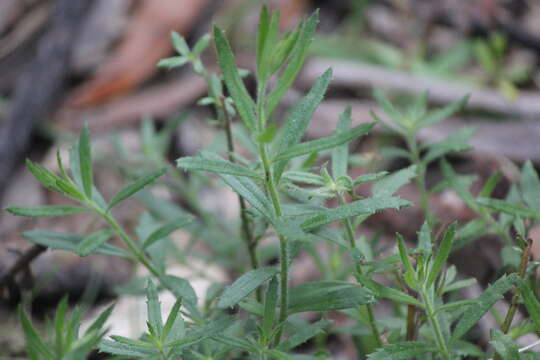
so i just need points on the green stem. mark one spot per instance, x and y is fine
(284, 264)
(369, 309)
(434, 323)
(250, 240)
(420, 178)
(137, 253)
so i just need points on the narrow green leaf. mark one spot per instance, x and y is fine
(489, 297)
(122, 349)
(59, 320)
(369, 178)
(242, 100)
(387, 107)
(85, 161)
(391, 183)
(69, 242)
(382, 291)
(284, 49)
(252, 193)
(459, 285)
(531, 303)
(173, 62)
(410, 274)
(490, 184)
(530, 186)
(327, 296)
(154, 308)
(454, 181)
(504, 345)
(166, 230)
(266, 42)
(173, 322)
(268, 134)
(442, 254)
(367, 206)
(262, 33)
(244, 286)
(216, 165)
(101, 319)
(135, 186)
(270, 305)
(237, 343)
(304, 335)
(294, 65)
(92, 242)
(179, 43)
(508, 208)
(424, 240)
(402, 351)
(33, 341)
(340, 154)
(304, 177)
(48, 210)
(179, 287)
(299, 117)
(324, 143)
(53, 182)
(438, 115)
(455, 142)
(215, 327)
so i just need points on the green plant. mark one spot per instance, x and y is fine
(286, 192)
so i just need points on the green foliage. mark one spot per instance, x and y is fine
(291, 201)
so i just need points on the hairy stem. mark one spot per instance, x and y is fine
(369, 309)
(515, 299)
(420, 178)
(434, 323)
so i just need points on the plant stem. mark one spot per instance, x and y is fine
(283, 261)
(513, 305)
(420, 177)
(251, 243)
(138, 254)
(434, 323)
(371, 316)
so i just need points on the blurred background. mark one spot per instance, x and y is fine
(66, 62)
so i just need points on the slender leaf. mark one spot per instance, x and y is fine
(85, 161)
(402, 351)
(504, 345)
(295, 63)
(166, 230)
(531, 303)
(69, 242)
(174, 325)
(270, 303)
(49, 210)
(391, 183)
(33, 341)
(179, 287)
(216, 165)
(242, 100)
(324, 143)
(299, 117)
(367, 206)
(484, 302)
(135, 186)
(92, 242)
(327, 296)
(340, 154)
(509, 208)
(382, 291)
(121, 349)
(154, 308)
(369, 177)
(252, 193)
(438, 115)
(304, 335)
(244, 286)
(442, 254)
(530, 186)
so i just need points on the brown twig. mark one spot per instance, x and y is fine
(22, 263)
